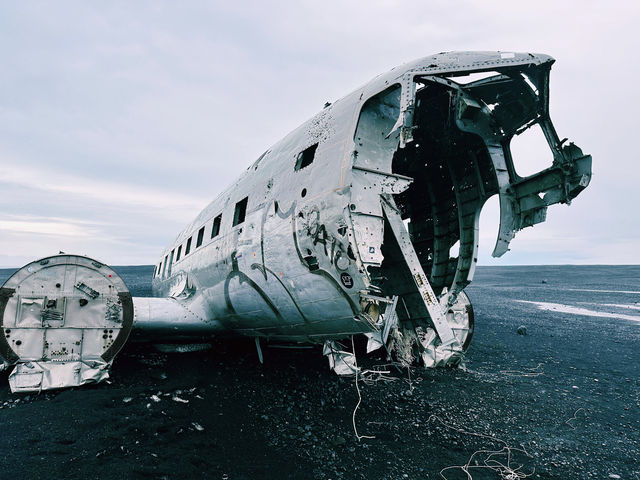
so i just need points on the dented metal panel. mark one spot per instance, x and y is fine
(63, 319)
(38, 376)
(348, 225)
(316, 247)
(340, 361)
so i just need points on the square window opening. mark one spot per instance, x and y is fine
(215, 230)
(240, 212)
(200, 237)
(170, 263)
(305, 157)
(164, 268)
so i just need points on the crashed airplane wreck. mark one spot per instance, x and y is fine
(344, 227)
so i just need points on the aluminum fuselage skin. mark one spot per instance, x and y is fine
(298, 264)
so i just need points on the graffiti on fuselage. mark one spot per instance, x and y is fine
(318, 233)
(316, 238)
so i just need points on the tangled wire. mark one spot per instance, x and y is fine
(499, 461)
(527, 372)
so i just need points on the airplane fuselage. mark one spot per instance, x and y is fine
(362, 220)
(299, 241)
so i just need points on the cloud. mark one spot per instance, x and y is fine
(49, 226)
(98, 191)
(138, 114)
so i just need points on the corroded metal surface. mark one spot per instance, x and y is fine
(349, 224)
(64, 318)
(314, 244)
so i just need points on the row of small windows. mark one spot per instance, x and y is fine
(164, 268)
(303, 160)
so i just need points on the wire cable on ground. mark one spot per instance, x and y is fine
(353, 417)
(498, 461)
(568, 422)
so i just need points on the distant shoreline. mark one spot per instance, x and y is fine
(13, 269)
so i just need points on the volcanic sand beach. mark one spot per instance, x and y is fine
(564, 399)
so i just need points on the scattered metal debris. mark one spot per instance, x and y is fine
(340, 361)
(197, 426)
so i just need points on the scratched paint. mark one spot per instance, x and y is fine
(342, 226)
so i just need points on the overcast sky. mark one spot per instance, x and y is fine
(119, 121)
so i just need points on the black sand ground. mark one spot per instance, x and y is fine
(568, 393)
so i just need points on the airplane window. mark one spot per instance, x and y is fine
(188, 247)
(241, 211)
(170, 263)
(179, 252)
(200, 237)
(164, 268)
(215, 230)
(305, 157)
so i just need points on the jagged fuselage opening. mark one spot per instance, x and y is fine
(452, 176)
(444, 146)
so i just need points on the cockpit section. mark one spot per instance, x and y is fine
(450, 135)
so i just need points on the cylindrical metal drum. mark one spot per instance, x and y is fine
(62, 321)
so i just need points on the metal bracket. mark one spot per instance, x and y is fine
(427, 294)
(390, 320)
(405, 119)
